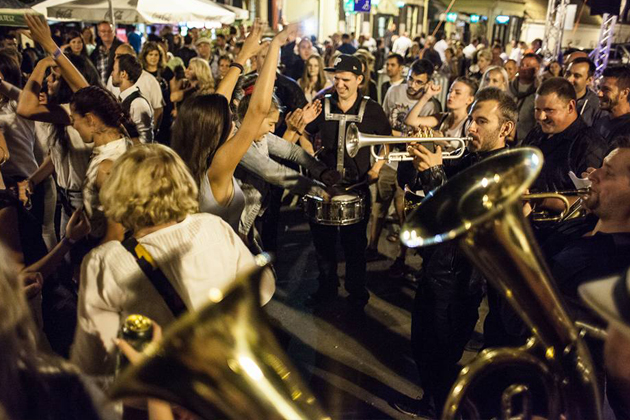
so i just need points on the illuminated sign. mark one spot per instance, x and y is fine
(474, 18)
(451, 17)
(502, 19)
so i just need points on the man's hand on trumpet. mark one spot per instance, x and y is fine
(423, 158)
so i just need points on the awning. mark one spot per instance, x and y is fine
(139, 11)
(12, 13)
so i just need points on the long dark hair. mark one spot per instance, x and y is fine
(76, 34)
(64, 95)
(102, 103)
(203, 124)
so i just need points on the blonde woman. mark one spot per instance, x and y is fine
(313, 79)
(152, 193)
(495, 76)
(484, 60)
(198, 81)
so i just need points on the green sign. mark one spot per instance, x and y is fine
(348, 6)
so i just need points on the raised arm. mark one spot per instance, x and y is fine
(40, 32)
(29, 105)
(229, 155)
(251, 46)
(413, 117)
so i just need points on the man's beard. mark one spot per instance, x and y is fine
(416, 93)
(491, 140)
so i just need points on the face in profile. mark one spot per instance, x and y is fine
(485, 127)
(609, 195)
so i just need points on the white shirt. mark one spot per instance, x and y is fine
(70, 164)
(21, 142)
(141, 114)
(200, 254)
(148, 85)
(401, 45)
(469, 51)
(516, 54)
(440, 47)
(91, 202)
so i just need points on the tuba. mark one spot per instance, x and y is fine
(481, 208)
(223, 361)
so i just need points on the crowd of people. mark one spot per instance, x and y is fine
(129, 165)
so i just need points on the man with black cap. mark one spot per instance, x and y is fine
(342, 108)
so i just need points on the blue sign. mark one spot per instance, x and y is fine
(451, 17)
(362, 5)
(474, 18)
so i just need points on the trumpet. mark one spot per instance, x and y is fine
(355, 140)
(570, 211)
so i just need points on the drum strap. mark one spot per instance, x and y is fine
(343, 120)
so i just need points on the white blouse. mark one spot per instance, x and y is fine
(91, 202)
(71, 164)
(198, 254)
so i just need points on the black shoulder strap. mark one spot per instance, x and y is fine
(126, 103)
(157, 277)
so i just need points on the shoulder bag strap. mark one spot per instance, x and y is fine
(156, 276)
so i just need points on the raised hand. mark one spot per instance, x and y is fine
(294, 120)
(287, 33)
(40, 32)
(252, 44)
(432, 89)
(311, 111)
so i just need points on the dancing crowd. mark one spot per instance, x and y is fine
(129, 166)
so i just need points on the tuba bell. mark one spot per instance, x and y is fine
(481, 208)
(223, 361)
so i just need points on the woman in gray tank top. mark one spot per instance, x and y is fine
(201, 133)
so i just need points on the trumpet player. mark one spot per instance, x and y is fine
(446, 304)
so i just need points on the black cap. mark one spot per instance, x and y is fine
(346, 62)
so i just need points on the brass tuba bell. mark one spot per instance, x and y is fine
(481, 208)
(223, 361)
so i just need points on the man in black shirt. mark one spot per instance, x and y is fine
(580, 74)
(450, 291)
(563, 137)
(613, 95)
(345, 103)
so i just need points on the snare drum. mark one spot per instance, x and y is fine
(341, 210)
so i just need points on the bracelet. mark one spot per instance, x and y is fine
(57, 53)
(238, 66)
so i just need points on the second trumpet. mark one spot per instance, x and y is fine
(355, 140)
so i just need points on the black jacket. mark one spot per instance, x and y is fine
(575, 149)
(447, 271)
(112, 53)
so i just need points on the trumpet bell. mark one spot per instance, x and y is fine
(353, 142)
(223, 361)
(465, 202)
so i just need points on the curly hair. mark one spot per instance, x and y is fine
(149, 47)
(148, 186)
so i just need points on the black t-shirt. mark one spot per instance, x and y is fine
(575, 149)
(609, 127)
(374, 122)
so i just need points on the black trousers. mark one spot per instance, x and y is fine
(444, 316)
(354, 243)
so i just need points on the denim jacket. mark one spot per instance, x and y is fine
(257, 171)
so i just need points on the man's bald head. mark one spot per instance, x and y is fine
(125, 49)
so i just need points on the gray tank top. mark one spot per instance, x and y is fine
(230, 213)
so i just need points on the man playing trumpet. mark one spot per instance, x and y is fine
(448, 297)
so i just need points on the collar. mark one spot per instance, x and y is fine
(127, 92)
(334, 101)
(112, 145)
